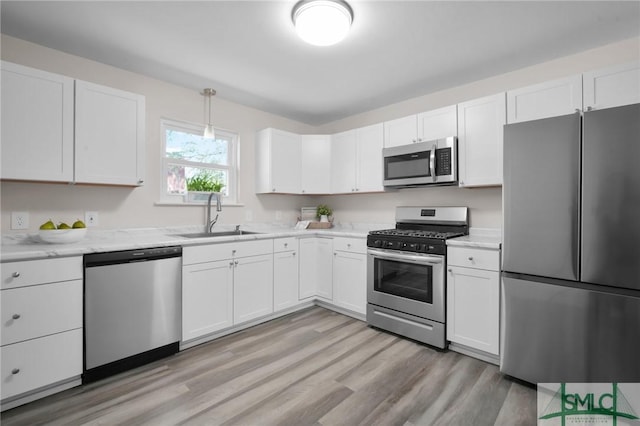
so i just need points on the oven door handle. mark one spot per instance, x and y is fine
(415, 258)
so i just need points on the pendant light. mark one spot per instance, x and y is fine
(209, 132)
(322, 22)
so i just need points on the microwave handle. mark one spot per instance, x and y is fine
(432, 161)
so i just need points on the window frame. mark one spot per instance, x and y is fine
(198, 129)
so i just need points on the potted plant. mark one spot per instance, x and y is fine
(201, 184)
(323, 212)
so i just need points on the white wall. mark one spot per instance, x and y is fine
(126, 207)
(121, 207)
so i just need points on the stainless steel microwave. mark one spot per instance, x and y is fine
(424, 163)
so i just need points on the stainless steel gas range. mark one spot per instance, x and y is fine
(406, 280)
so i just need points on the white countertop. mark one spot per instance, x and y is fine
(29, 246)
(479, 238)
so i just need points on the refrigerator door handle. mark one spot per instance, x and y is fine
(432, 161)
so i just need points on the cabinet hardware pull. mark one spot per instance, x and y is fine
(233, 251)
(15, 316)
(15, 371)
(286, 244)
(236, 263)
(231, 264)
(140, 180)
(470, 258)
(589, 108)
(273, 190)
(15, 274)
(450, 270)
(294, 253)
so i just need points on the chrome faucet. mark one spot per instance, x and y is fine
(210, 222)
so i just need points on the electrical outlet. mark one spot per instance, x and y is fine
(19, 220)
(91, 218)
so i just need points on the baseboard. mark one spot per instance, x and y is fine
(31, 396)
(475, 353)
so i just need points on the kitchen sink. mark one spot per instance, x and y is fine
(216, 234)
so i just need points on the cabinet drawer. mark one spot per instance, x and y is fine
(40, 362)
(213, 252)
(37, 311)
(474, 258)
(31, 272)
(354, 245)
(285, 244)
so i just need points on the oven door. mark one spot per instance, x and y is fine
(425, 163)
(407, 282)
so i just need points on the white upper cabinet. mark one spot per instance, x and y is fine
(356, 160)
(316, 164)
(40, 115)
(369, 142)
(480, 137)
(278, 165)
(343, 161)
(110, 135)
(548, 99)
(37, 125)
(438, 124)
(612, 87)
(401, 131)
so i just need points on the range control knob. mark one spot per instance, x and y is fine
(377, 243)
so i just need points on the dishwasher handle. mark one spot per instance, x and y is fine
(130, 256)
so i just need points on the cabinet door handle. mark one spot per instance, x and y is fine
(233, 252)
(450, 270)
(273, 190)
(15, 316)
(231, 264)
(15, 371)
(294, 253)
(470, 258)
(235, 263)
(286, 245)
(140, 181)
(15, 274)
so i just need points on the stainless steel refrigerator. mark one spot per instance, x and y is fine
(570, 299)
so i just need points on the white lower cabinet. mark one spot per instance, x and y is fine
(207, 298)
(224, 285)
(316, 277)
(252, 288)
(473, 298)
(36, 363)
(42, 334)
(350, 274)
(285, 273)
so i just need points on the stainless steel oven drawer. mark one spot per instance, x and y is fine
(416, 328)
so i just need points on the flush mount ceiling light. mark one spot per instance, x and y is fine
(322, 22)
(209, 132)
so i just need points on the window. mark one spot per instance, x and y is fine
(192, 163)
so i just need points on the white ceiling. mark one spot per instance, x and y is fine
(249, 53)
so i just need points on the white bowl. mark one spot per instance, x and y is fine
(62, 236)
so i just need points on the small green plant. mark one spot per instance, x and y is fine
(323, 209)
(204, 181)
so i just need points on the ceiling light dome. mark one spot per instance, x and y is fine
(322, 22)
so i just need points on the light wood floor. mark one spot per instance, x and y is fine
(314, 367)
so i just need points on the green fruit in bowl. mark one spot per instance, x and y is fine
(48, 225)
(78, 224)
(63, 226)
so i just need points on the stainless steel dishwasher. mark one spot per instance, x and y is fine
(132, 309)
